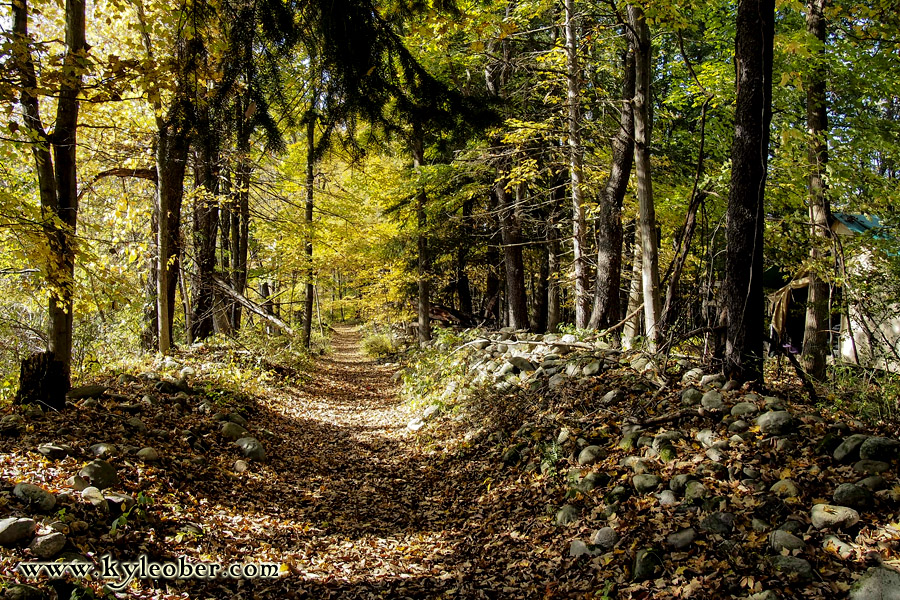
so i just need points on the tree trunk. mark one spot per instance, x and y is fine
(609, 222)
(576, 167)
(308, 221)
(424, 304)
(642, 126)
(815, 338)
(743, 288)
(150, 333)
(514, 264)
(240, 217)
(57, 175)
(540, 295)
(43, 380)
(632, 327)
(205, 230)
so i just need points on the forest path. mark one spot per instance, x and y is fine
(359, 506)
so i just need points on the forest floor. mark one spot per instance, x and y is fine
(350, 502)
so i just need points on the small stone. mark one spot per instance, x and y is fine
(233, 431)
(511, 456)
(780, 540)
(136, 424)
(48, 546)
(21, 591)
(241, 466)
(682, 539)
(785, 488)
(712, 401)
(873, 483)
(667, 498)
(776, 422)
(122, 502)
(32, 411)
(522, 364)
(854, 496)
(14, 530)
(743, 409)
(691, 397)
(880, 449)
(784, 445)
(759, 525)
(716, 454)
(645, 483)
(646, 563)
(56, 451)
(591, 455)
(77, 482)
(718, 522)
(87, 391)
(567, 514)
(871, 467)
(713, 379)
(592, 368)
(95, 497)
(612, 397)
(707, 437)
(833, 517)
(694, 490)
(605, 537)
(237, 419)
(679, 482)
(578, 548)
(100, 474)
(251, 448)
(692, 376)
(793, 567)
(593, 480)
(836, 546)
(739, 426)
(879, 583)
(103, 450)
(35, 496)
(848, 450)
(148, 454)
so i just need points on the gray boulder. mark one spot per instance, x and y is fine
(793, 567)
(103, 450)
(48, 546)
(712, 400)
(833, 517)
(848, 450)
(854, 496)
(56, 451)
(645, 483)
(591, 455)
(743, 409)
(682, 539)
(251, 448)
(567, 514)
(785, 488)
(879, 448)
(605, 538)
(35, 496)
(522, 364)
(96, 498)
(100, 474)
(86, 391)
(14, 530)
(646, 564)
(775, 422)
(148, 454)
(136, 424)
(879, 583)
(691, 397)
(233, 431)
(579, 548)
(785, 540)
(871, 467)
(592, 368)
(718, 522)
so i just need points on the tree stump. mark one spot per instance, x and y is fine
(43, 380)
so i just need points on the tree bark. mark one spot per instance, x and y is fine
(815, 338)
(514, 264)
(632, 327)
(576, 166)
(743, 288)
(642, 136)
(205, 230)
(308, 222)
(609, 222)
(424, 304)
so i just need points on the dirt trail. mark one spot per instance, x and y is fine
(352, 502)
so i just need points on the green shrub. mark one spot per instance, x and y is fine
(379, 345)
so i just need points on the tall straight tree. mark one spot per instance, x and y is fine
(815, 338)
(310, 119)
(743, 287)
(55, 155)
(605, 310)
(576, 165)
(422, 262)
(646, 209)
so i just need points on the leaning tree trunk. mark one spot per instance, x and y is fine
(815, 338)
(609, 222)
(649, 255)
(743, 288)
(632, 327)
